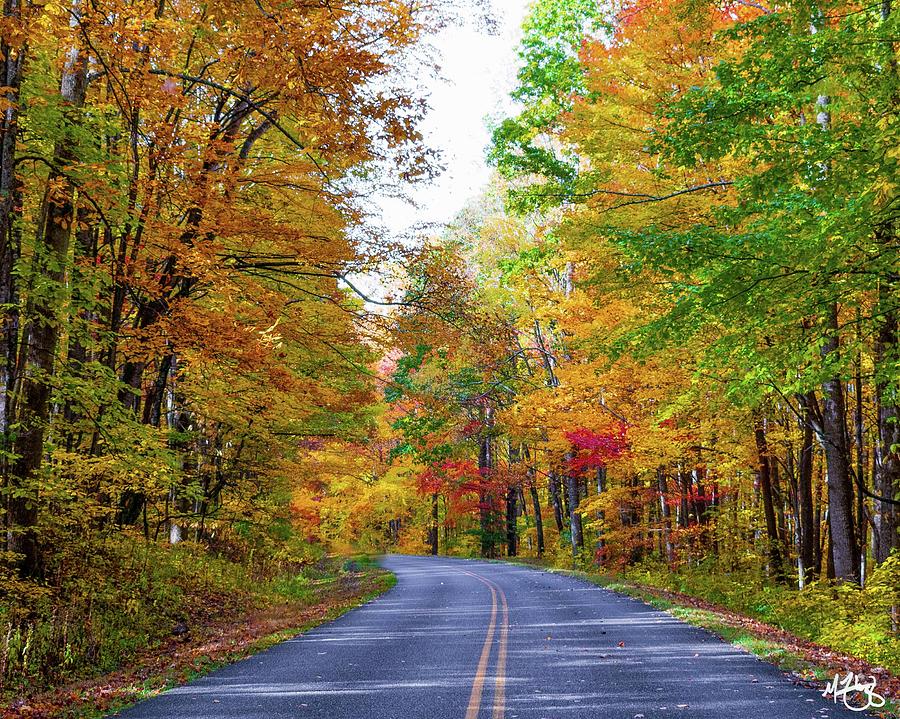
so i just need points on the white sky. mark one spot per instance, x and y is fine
(477, 73)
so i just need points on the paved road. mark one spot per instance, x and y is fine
(459, 639)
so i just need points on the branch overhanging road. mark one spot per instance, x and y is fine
(463, 639)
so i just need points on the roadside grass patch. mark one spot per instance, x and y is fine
(280, 609)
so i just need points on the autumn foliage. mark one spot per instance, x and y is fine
(595, 450)
(663, 341)
(181, 343)
(676, 350)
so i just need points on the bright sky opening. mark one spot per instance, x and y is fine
(478, 70)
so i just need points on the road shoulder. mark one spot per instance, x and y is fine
(182, 659)
(805, 662)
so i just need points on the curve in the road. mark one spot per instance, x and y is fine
(465, 639)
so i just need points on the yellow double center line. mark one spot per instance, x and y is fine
(500, 677)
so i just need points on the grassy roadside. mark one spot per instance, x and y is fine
(807, 662)
(180, 659)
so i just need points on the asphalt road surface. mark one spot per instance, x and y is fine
(458, 639)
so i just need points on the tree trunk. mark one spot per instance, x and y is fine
(78, 355)
(512, 494)
(573, 498)
(805, 501)
(818, 540)
(601, 488)
(433, 530)
(41, 333)
(11, 66)
(684, 520)
(837, 457)
(555, 500)
(780, 509)
(546, 357)
(773, 541)
(887, 447)
(666, 513)
(886, 475)
(829, 566)
(513, 490)
(486, 513)
(536, 503)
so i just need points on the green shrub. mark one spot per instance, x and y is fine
(860, 622)
(102, 602)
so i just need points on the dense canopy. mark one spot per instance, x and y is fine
(662, 342)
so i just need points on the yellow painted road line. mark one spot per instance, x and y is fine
(478, 683)
(499, 707)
